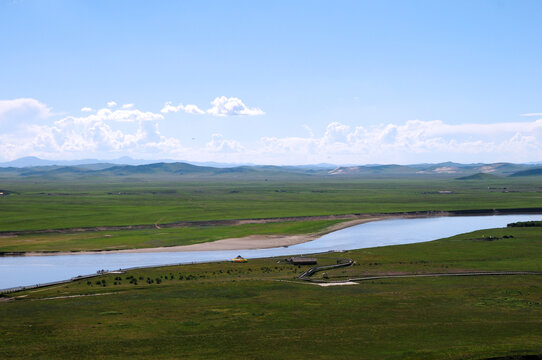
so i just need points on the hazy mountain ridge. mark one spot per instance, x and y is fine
(169, 169)
(32, 161)
(441, 169)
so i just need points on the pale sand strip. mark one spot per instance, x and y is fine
(244, 243)
(336, 283)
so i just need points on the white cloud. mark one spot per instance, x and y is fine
(192, 109)
(111, 104)
(411, 142)
(223, 106)
(189, 109)
(124, 115)
(86, 109)
(101, 133)
(219, 144)
(24, 107)
(106, 132)
(532, 114)
(29, 128)
(127, 106)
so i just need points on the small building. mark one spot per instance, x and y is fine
(239, 259)
(298, 260)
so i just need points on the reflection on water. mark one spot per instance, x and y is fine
(29, 270)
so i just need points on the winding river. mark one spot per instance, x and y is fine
(29, 270)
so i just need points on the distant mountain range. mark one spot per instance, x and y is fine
(127, 167)
(448, 169)
(32, 161)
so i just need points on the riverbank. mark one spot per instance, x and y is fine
(240, 234)
(242, 243)
(202, 310)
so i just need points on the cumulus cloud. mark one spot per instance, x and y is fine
(221, 106)
(107, 131)
(224, 106)
(111, 104)
(127, 106)
(29, 128)
(532, 114)
(189, 109)
(413, 141)
(24, 107)
(86, 109)
(99, 132)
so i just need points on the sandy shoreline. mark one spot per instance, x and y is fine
(243, 243)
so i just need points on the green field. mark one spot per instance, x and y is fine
(79, 204)
(133, 239)
(47, 204)
(226, 310)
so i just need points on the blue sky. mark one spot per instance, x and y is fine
(276, 82)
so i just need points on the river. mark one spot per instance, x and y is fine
(30, 270)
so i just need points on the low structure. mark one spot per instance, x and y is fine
(239, 259)
(298, 260)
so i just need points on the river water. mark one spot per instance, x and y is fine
(30, 270)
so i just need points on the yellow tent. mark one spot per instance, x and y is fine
(239, 259)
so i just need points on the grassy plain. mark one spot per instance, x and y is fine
(67, 204)
(135, 239)
(226, 311)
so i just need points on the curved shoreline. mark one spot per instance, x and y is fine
(243, 243)
(267, 241)
(72, 267)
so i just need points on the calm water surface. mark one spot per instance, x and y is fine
(30, 270)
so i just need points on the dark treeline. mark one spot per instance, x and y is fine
(525, 224)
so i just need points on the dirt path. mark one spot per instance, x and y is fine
(354, 281)
(470, 273)
(306, 276)
(74, 296)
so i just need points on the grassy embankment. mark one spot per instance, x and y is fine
(33, 205)
(225, 310)
(135, 239)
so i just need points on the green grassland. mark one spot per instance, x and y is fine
(134, 239)
(258, 309)
(34, 204)
(58, 204)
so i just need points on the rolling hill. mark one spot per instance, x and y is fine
(175, 169)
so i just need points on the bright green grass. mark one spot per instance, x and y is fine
(232, 311)
(50, 205)
(132, 239)
(470, 251)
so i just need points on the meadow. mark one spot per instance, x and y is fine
(64, 204)
(134, 239)
(259, 309)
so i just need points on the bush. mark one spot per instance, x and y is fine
(525, 224)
